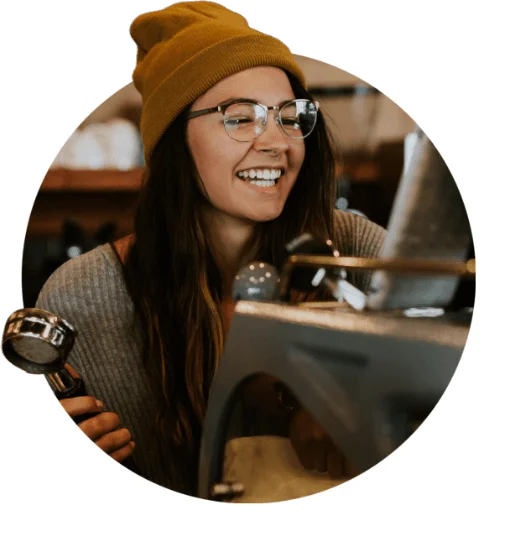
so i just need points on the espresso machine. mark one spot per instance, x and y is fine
(369, 366)
(368, 378)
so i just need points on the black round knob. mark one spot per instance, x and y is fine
(307, 279)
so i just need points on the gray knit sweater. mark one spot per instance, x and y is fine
(89, 291)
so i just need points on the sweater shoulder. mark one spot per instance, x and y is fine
(86, 285)
(358, 236)
(361, 238)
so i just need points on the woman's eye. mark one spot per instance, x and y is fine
(238, 121)
(291, 123)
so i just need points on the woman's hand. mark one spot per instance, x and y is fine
(315, 449)
(101, 427)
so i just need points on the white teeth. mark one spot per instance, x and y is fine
(262, 183)
(260, 174)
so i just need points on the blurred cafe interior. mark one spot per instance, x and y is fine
(88, 195)
(370, 367)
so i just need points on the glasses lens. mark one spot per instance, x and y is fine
(244, 121)
(298, 118)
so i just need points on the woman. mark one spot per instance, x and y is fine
(231, 176)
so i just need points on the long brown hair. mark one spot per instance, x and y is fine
(176, 285)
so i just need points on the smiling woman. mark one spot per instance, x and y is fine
(238, 163)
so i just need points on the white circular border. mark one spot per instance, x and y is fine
(426, 433)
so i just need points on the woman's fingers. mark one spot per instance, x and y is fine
(315, 449)
(124, 452)
(76, 406)
(100, 425)
(114, 440)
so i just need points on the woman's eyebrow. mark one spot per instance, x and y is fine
(250, 100)
(239, 99)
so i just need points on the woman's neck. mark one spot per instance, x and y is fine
(232, 243)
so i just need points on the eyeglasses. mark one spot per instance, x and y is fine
(245, 121)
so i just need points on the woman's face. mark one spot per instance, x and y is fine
(219, 158)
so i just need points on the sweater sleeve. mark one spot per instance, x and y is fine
(89, 292)
(86, 292)
(359, 237)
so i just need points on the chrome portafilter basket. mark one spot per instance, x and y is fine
(39, 342)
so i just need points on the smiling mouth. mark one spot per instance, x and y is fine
(260, 177)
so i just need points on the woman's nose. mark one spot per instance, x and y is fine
(272, 138)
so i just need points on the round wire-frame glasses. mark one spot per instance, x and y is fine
(245, 120)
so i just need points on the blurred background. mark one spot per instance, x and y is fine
(89, 194)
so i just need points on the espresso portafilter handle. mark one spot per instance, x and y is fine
(66, 386)
(39, 342)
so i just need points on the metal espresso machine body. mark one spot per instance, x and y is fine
(369, 367)
(369, 379)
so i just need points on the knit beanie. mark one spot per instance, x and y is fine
(185, 49)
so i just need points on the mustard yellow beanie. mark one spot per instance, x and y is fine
(185, 49)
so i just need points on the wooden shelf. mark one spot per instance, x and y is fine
(108, 180)
(91, 197)
(383, 166)
(360, 172)
(90, 209)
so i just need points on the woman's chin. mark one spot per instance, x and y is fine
(264, 216)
